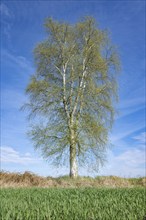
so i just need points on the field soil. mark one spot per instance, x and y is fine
(29, 179)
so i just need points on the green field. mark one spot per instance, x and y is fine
(72, 204)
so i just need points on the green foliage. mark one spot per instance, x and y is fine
(73, 204)
(74, 88)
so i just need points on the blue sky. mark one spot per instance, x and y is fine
(21, 29)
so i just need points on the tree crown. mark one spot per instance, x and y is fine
(75, 84)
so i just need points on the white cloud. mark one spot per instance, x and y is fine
(14, 161)
(27, 154)
(132, 157)
(130, 163)
(10, 155)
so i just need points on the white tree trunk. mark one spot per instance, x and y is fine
(73, 156)
(73, 163)
(73, 167)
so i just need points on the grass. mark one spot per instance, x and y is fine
(72, 204)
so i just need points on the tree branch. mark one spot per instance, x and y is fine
(59, 70)
(64, 90)
(80, 87)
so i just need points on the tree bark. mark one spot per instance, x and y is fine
(73, 156)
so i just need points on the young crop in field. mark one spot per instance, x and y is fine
(72, 204)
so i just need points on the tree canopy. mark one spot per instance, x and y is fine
(73, 91)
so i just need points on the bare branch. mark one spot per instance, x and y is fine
(80, 87)
(64, 90)
(59, 70)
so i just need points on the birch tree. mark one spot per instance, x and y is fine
(73, 92)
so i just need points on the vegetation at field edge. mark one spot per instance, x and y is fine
(28, 179)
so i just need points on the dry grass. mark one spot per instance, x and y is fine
(29, 179)
(26, 179)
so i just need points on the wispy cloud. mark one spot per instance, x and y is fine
(131, 102)
(128, 106)
(18, 162)
(6, 21)
(124, 132)
(132, 157)
(20, 61)
(10, 155)
(141, 138)
(130, 163)
(129, 111)
(4, 10)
